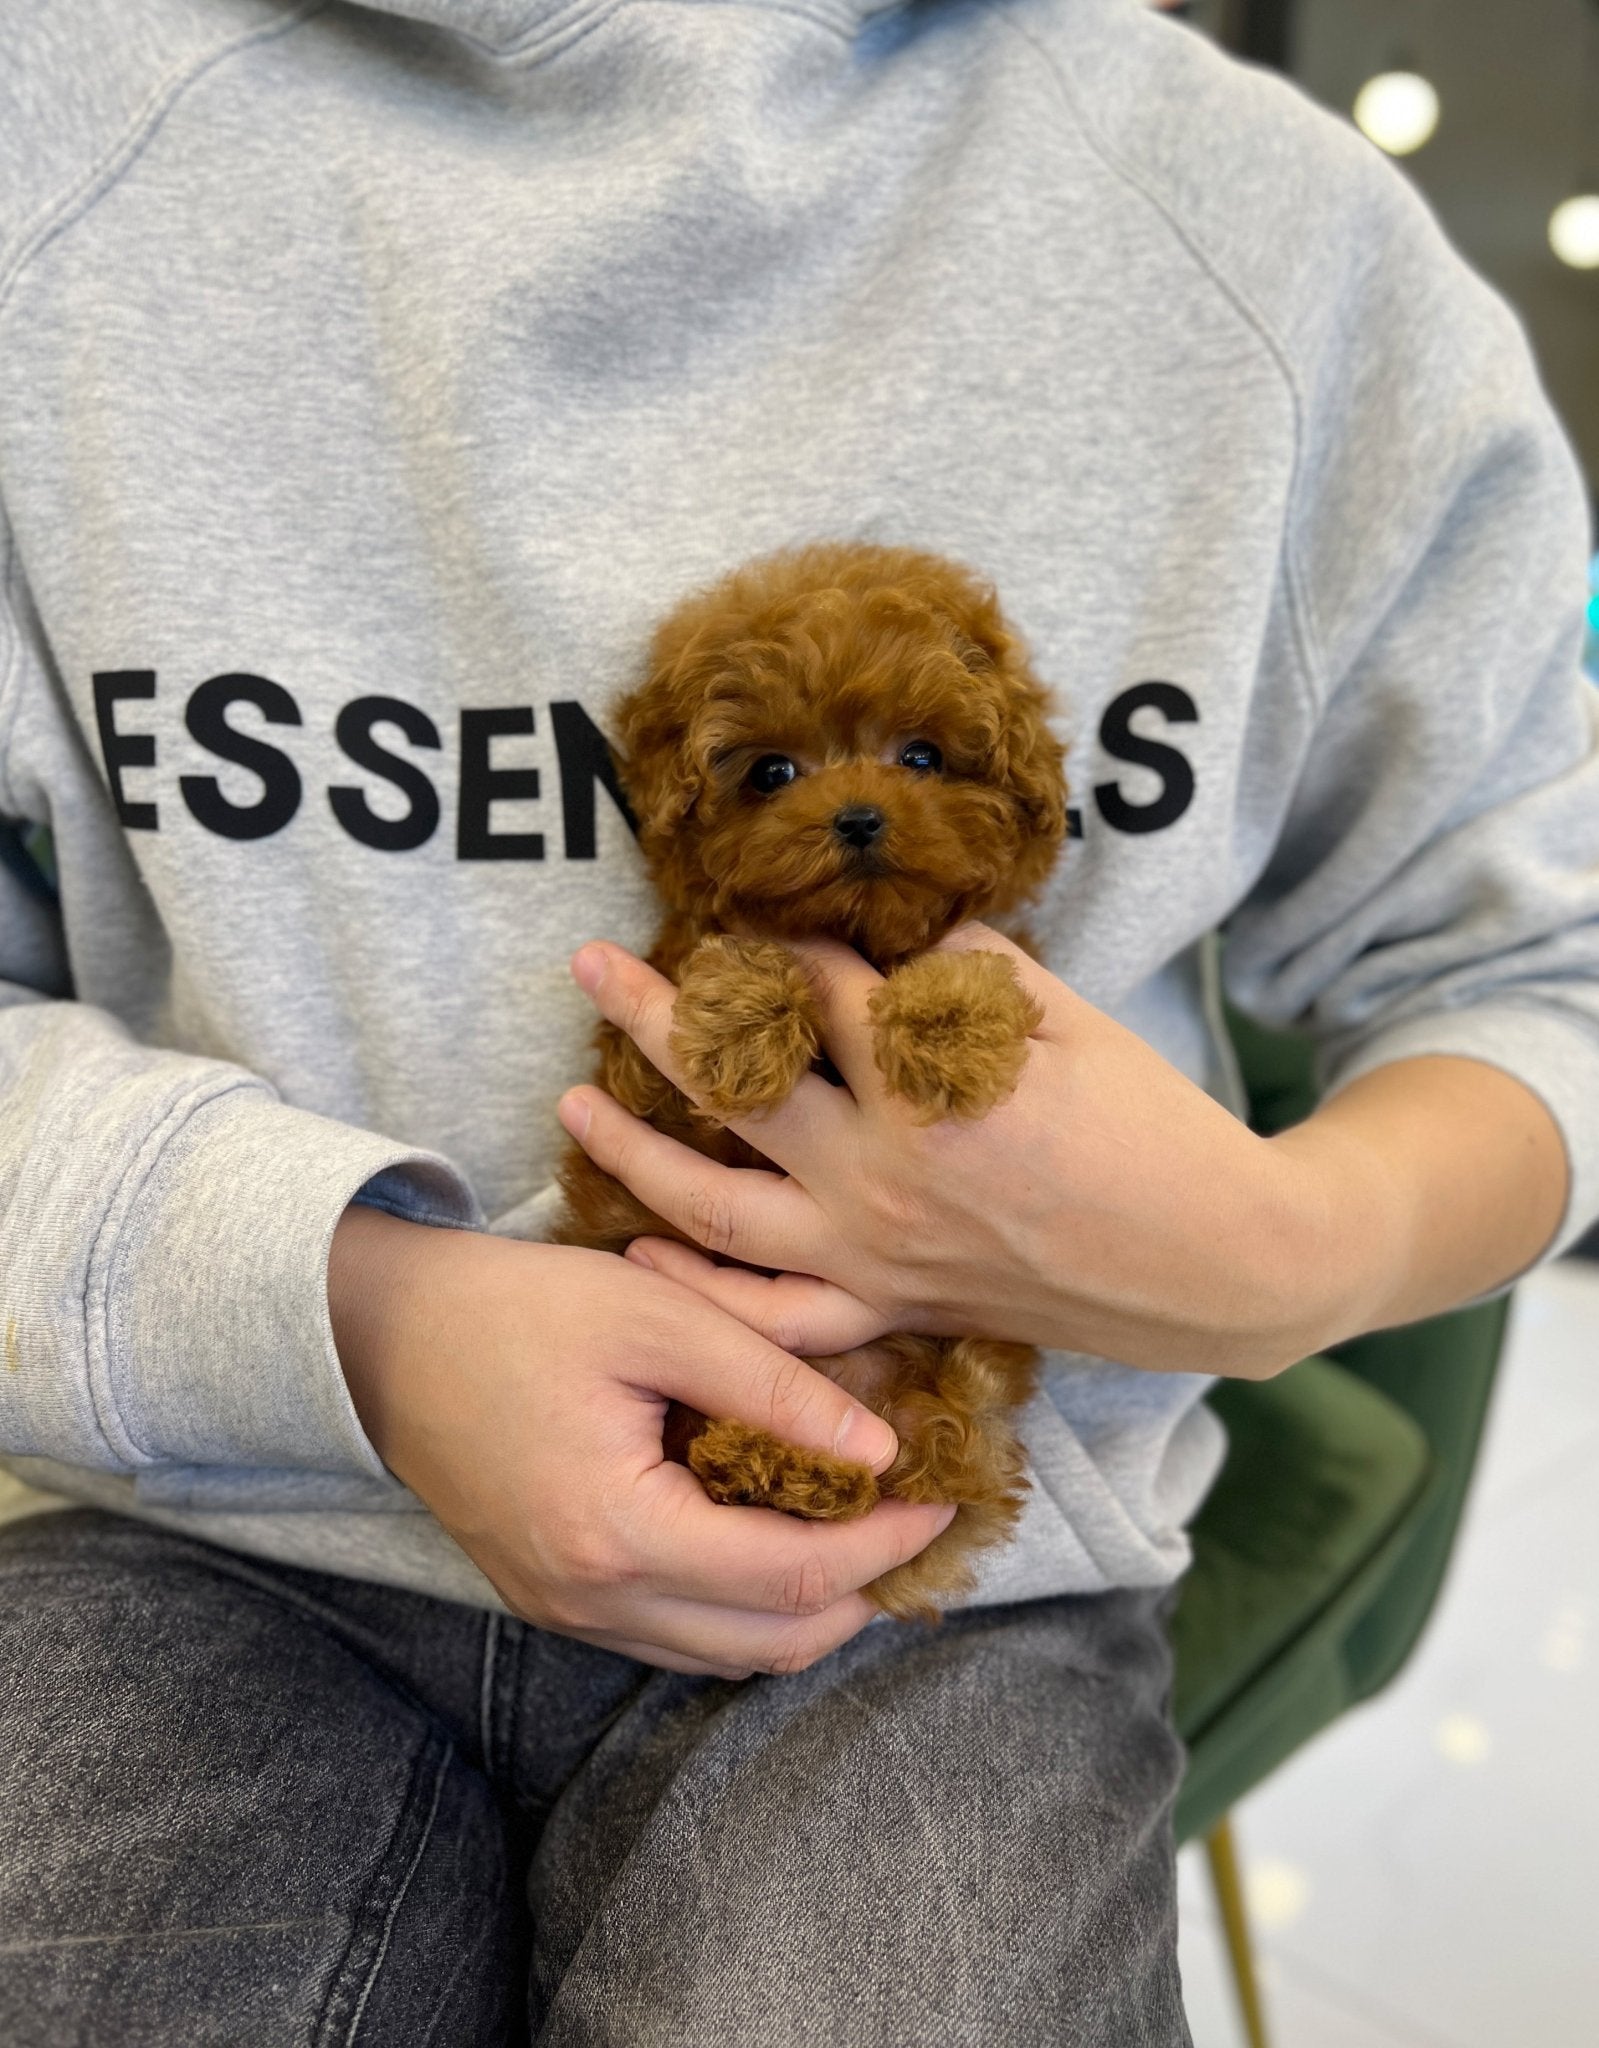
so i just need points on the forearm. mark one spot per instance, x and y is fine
(1428, 1182)
(1110, 1207)
(163, 1224)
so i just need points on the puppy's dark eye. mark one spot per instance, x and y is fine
(770, 772)
(923, 756)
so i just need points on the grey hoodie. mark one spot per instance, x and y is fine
(371, 379)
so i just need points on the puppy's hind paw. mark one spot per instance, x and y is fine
(950, 1032)
(745, 1026)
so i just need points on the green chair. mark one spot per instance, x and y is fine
(1319, 1552)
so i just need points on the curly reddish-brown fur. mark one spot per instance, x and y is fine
(753, 1468)
(745, 1025)
(836, 657)
(950, 1032)
(832, 652)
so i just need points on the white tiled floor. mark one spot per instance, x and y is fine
(1426, 1874)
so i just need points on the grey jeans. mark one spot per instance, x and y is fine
(242, 1804)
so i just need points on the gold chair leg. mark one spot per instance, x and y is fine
(1230, 1898)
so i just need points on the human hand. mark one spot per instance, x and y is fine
(1109, 1206)
(519, 1390)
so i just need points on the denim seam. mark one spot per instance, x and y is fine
(485, 1703)
(500, 1762)
(365, 1951)
(423, 1839)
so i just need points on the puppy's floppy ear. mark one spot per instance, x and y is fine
(1035, 765)
(657, 773)
(986, 644)
(653, 724)
(1028, 756)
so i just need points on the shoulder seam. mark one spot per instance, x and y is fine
(1301, 612)
(57, 216)
(79, 199)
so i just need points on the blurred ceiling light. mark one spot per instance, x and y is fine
(1398, 110)
(1574, 231)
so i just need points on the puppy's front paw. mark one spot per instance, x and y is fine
(738, 1465)
(950, 1032)
(745, 1026)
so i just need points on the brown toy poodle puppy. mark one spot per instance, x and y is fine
(842, 740)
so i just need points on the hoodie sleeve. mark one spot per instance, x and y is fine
(1435, 884)
(164, 1226)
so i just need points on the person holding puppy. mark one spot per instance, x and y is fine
(378, 376)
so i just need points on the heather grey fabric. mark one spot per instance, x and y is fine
(374, 378)
(249, 1806)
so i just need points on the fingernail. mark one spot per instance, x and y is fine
(865, 1437)
(944, 1520)
(640, 1257)
(588, 968)
(575, 1115)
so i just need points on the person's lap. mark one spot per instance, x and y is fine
(245, 1804)
(221, 1819)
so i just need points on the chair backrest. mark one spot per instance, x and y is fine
(1441, 1371)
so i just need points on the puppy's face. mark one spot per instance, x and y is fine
(843, 741)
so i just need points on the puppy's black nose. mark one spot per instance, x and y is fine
(858, 824)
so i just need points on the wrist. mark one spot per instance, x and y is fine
(372, 1260)
(1442, 1178)
(1346, 1238)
